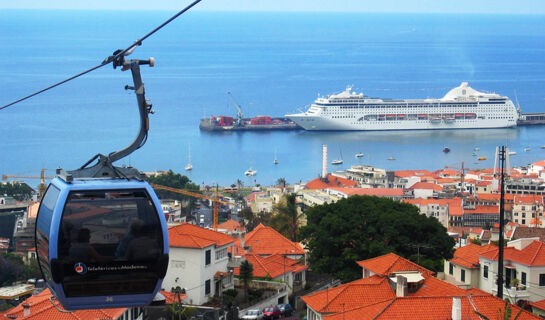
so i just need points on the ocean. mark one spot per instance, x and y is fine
(273, 64)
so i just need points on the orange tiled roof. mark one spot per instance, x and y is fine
(430, 308)
(412, 173)
(483, 210)
(390, 263)
(533, 255)
(188, 235)
(351, 295)
(426, 185)
(445, 180)
(170, 297)
(41, 308)
(331, 182)
(454, 204)
(468, 256)
(266, 241)
(448, 173)
(528, 199)
(271, 266)
(231, 225)
(539, 163)
(539, 304)
(484, 183)
(371, 191)
(494, 196)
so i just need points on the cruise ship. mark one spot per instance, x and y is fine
(461, 108)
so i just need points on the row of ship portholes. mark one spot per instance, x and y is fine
(425, 117)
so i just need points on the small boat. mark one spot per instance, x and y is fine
(391, 158)
(474, 154)
(481, 158)
(275, 161)
(542, 147)
(527, 149)
(476, 149)
(446, 150)
(250, 172)
(359, 155)
(512, 153)
(189, 166)
(338, 161)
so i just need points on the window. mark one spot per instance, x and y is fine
(523, 278)
(450, 268)
(542, 280)
(207, 257)
(207, 287)
(220, 254)
(463, 275)
(485, 272)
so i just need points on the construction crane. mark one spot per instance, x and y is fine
(240, 115)
(42, 178)
(462, 174)
(196, 195)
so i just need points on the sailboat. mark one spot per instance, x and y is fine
(338, 161)
(275, 159)
(189, 166)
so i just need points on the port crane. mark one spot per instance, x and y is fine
(462, 174)
(240, 115)
(214, 199)
(42, 178)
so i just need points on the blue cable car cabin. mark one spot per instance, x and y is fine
(102, 243)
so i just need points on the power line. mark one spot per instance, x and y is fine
(114, 58)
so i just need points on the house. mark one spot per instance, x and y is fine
(463, 269)
(266, 241)
(198, 261)
(521, 232)
(481, 216)
(483, 187)
(524, 271)
(528, 210)
(442, 209)
(231, 227)
(425, 190)
(365, 176)
(390, 193)
(396, 288)
(4, 245)
(277, 267)
(329, 182)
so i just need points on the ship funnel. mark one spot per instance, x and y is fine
(324, 161)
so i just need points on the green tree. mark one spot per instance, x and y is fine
(252, 219)
(19, 191)
(11, 269)
(364, 227)
(281, 182)
(246, 274)
(174, 180)
(287, 219)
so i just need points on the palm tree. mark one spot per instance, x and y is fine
(287, 219)
(246, 275)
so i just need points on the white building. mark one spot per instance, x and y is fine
(198, 262)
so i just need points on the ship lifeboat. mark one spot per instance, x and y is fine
(449, 117)
(459, 116)
(470, 116)
(401, 116)
(390, 116)
(435, 118)
(422, 116)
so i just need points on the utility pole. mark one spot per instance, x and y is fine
(502, 152)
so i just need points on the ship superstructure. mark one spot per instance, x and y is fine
(461, 108)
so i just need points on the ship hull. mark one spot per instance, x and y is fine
(317, 123)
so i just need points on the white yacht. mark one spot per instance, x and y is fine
(462, 107)
(250, 172)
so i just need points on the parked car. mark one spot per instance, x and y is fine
(271, 313)
(285, 309)
(253, 315)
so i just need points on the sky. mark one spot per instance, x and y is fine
(398, 6)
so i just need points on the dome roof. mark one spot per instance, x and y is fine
(464, 91)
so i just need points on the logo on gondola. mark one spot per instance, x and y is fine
(80, 268)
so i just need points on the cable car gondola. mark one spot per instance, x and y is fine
(101, 235)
